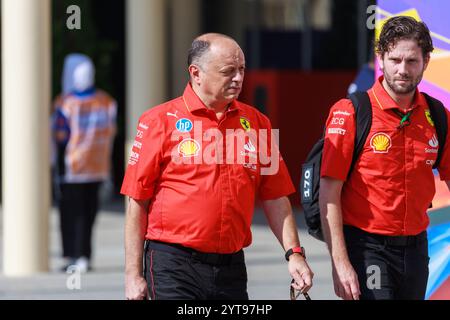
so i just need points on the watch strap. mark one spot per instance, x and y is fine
(293, 250)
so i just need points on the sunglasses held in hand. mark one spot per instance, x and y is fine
(295, 293)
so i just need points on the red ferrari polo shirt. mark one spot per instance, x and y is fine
(392, 184)
(202, 174)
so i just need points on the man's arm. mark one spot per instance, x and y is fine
(135, 228)
(345, 278)
(282, 222)
(448, 184)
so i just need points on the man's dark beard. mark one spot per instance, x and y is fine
(401, 90)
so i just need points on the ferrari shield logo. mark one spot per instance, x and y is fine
(245, 123)
(428, 115)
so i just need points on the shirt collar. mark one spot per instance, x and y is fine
(385, 102)
(193, 103)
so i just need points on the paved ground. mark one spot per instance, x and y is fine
(267, 269)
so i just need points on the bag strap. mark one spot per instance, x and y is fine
(439, 117)
(363, 117)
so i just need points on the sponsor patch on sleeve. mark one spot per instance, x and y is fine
(339, 131)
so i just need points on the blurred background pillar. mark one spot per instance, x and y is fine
(185, 26)
(146, 53)
(25, 123)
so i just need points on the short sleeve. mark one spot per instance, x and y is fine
(277, 185)
(144, 164)
(275, 179)
(339, 141)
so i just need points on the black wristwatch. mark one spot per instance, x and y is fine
(291, 251)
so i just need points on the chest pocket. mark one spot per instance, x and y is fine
(383, 153)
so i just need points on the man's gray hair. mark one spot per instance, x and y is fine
(197, 50)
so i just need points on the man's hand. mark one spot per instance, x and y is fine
(345, 279)
(135, 288)
(282, 222)
(300, 272)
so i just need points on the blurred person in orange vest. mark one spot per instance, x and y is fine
(83, 129)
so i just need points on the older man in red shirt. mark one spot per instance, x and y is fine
(375, 220)
(197, 164)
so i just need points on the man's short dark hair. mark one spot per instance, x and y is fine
(197, 50)
(404, 28)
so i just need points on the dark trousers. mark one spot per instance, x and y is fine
(178, 273)
(78, 208)
(388, 267)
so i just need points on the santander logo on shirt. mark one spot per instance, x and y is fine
(434, 143)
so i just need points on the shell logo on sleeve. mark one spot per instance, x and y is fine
(380, 142)
(188, 148)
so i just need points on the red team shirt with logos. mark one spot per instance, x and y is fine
(202, 188)
(392, 184)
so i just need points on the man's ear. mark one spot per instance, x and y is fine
(379, 57)
(426, 60)
(194, 72)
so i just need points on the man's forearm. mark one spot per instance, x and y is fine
(135, 228)
(282, 221)
(331, 218)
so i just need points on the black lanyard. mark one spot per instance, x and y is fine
(405, 121)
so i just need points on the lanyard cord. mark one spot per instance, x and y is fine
(405, 121)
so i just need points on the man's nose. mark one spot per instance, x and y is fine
(238, 76)
(402, 68)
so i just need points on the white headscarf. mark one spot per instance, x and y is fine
(78, 74)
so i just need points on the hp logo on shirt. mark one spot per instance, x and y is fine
(184, 125)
